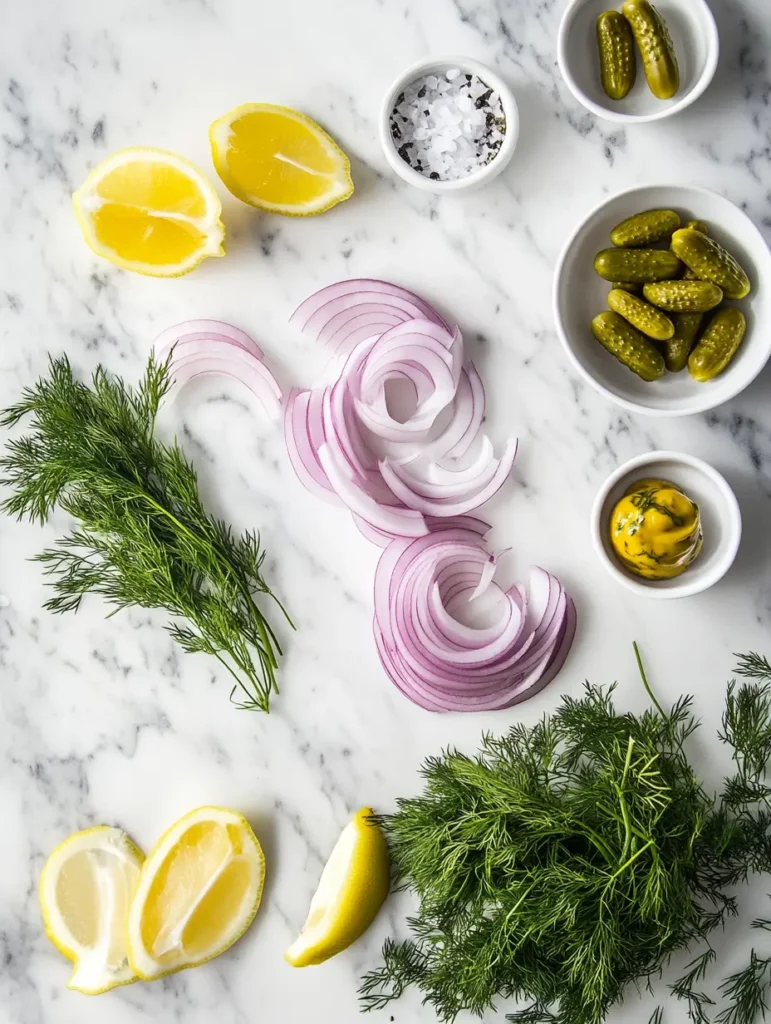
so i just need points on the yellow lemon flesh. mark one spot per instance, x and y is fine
(199, 890)
(279, 160)
(85, 893)
(150, 211)
(352, 889)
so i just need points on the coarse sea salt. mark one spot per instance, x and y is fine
(447, 126)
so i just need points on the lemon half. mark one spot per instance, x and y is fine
(85, 893)
(352, 889)
(199, 890)
(279, 160)
(150, 211)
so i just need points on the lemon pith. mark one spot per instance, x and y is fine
(199, 890)
(279, 160)
(150, 211)
(85, 891)
(352, 888)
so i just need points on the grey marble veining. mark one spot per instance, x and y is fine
(105, 720)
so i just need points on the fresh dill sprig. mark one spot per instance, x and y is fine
(747, 992)
(143, 537)
(572, 859)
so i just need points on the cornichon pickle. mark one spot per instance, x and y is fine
(637, 265)
(640, 314)
(618, 64)
(656, 48)
(628, 346)
(645, 228)
(684, 296)
(627, 286)
(679, 346)
(718, 344)
(710, 262)
(695, 225)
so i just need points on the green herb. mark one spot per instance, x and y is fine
(748, 716)
(570, 860)
(143, 537)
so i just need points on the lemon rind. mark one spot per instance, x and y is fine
(327, 937)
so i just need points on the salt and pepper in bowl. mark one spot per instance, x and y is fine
(449, 124)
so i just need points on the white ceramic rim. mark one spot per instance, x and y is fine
(486, 173)
(713, 54)
(699, 406)
(686, 588)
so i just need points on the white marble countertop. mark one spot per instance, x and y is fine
(103, 720)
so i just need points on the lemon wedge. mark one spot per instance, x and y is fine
(150, 211)
(353, 886)
(85, 892)
(279, 160)
(199, 890)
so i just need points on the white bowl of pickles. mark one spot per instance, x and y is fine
(662, 300)
(631, 61)
(666, 525)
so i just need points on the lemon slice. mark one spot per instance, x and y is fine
(85, 892)
(353, 886)
(199, 891)
(150, 211)
(279, 160)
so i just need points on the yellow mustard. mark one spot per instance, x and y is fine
(655, 530)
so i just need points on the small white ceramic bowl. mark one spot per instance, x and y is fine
(720, 518)
(580, 294)
(478, 178)
(697, 44)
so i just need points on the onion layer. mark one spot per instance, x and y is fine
(201, 347)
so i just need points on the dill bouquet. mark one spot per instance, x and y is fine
(572, 859)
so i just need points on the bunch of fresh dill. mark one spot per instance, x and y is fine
(574, 858)
(143, 537)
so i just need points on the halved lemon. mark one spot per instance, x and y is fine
(352, 889)
(85, 893)
(279, 160)
(150, 211)
(199, 890)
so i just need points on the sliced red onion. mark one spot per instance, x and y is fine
(399, 521)
(410, 486)
(203, 329)
(347, 294)
(444, 665)
(202, 347)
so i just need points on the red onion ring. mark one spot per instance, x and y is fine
(203, 347)
(444, 665)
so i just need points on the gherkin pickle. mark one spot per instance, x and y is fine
(618, 64)
(637, 265)
(694, 225)
(711, 262)
(645, 228)
(684, 296)
(679, 346)
(627, 286)
(642, 315)
(628, 345)
(656, 48)
(718, 344)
